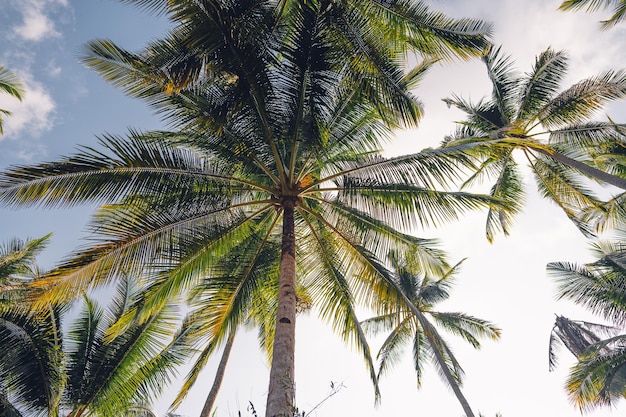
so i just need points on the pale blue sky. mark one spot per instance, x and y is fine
(67, 105)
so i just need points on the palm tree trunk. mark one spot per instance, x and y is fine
(281, 391)
(449, 377)
(584, 168)
(219, 376)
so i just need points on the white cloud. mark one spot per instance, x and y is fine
(37, 23)
(34, 152)
(32, 116)
(36, 26)
(35, 114)
(54, 70)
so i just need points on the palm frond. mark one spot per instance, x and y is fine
(508, 187)
(600, 291)
(109, 374)
(468, 327)
(577, 336)
(598, 380)
(567, 189)
(390, 353)
(17, 259)
(542, 83)
(505, 83)
(583, 99)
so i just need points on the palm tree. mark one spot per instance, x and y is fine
(599, 376)
(554, 133)
(276, 158)
(416, 321)
(105, 364)
(11, 85)
(619, 9)
(207, 408)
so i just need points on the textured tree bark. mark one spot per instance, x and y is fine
(281, 391)
(219, 376)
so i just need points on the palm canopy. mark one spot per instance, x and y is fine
(618, 6)
(416, 321)
(88, 367)
(360, 34)
(599, 376)
(554, 130)
(11, 85)
(276, 158)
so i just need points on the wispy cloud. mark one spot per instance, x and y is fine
(37, 24)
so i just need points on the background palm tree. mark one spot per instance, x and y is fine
(277, 158)
(416, 321)
(32, 372)
(106, 363)
(555, 134)
(599, 377)
(618, 6)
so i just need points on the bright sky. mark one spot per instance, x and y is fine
(67, 105)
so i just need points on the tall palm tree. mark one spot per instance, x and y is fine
(276, 158)
(619, 9)
(554, 132)
(11, 85)
(93, 368)
(599, 376)
(416, 322)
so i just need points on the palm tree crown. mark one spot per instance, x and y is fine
(555, 133)
(106, 362)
